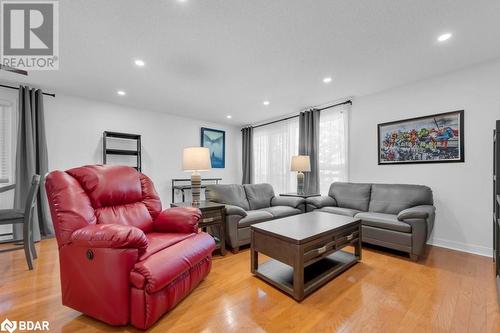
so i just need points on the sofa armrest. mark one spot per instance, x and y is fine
(294, 202)
(417, 212)
(235, 210)
(111, 236)
(178, 220)
(421, 220)
(321, 201)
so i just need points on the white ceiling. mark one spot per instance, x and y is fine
(210, 58)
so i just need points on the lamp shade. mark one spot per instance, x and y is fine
(196, 159)
(301, 163)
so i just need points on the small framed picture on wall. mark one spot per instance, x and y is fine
(436, 138)
(215, 141)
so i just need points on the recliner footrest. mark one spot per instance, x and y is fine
(165, 266)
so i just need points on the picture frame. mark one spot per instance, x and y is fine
(215, 141)
(437, 138)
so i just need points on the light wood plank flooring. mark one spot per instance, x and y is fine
(446, 292)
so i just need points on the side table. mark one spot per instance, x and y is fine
(300, 195)
(212, 215)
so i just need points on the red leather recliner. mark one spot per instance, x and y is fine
(123, 260)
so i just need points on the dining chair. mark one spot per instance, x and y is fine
(18, 216)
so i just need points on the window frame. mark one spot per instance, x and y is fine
(11, 141)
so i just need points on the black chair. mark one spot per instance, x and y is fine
(15, 216)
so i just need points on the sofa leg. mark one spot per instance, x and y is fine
(235, 250)
(413, 257)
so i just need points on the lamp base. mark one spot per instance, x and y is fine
(300, 182)
(195, 188)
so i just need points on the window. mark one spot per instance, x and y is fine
(6, 141)
(333, 146)
(273, 148)
(275, 144)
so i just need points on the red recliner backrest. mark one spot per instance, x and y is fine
(100, 194)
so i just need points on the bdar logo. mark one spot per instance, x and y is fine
(8, 326)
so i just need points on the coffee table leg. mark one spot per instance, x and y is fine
(254, 255)
(358, 246)
(298, 274)
(222, 233)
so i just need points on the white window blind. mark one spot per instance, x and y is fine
(333, 146)
(6, 158)
(273, 147)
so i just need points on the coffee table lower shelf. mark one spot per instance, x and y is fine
(315, 275)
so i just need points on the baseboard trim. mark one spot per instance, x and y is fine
(462, 247)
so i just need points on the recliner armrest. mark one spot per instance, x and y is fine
(235, 210)
(417, 212)
(178, 220)
(294, 202)
(321, 201)
(110, 236)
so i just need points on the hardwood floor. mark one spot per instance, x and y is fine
(446, 292)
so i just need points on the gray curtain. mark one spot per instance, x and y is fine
(247, 154)
(309, 145)
(31, 158)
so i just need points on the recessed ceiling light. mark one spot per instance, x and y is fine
(121, 92)
(229, 116)
(327, 80)
(266, 103)
(139, 63)
(444, 37)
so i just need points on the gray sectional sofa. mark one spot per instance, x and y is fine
(250, 204)
(396, 216)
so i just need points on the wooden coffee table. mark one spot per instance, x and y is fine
(305, 250)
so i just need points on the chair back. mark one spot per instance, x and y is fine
(31, 198)
(100, 194)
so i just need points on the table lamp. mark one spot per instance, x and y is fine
(196, 159)
(301, 164)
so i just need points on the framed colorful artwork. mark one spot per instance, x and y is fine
(437, 138)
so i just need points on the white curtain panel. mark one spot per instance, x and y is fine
(274, 145)
(333, 146)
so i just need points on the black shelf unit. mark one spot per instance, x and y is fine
(496, 203)
(124, 152)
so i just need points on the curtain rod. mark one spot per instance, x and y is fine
(291, 117)
(17, 88)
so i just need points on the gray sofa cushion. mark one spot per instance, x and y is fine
(393, 198)
(282, 211)
(255, 216)
(384, 221)
(231, 194)
(351, 195)
(259, 195)
(340, 211)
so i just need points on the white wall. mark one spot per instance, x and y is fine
(462, 191)
(74, 129)
(74, 138)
